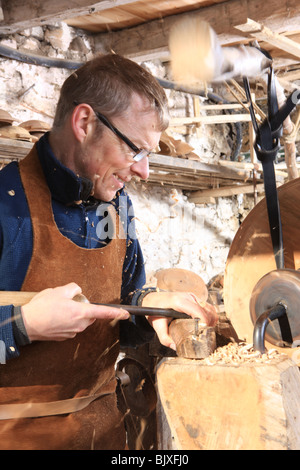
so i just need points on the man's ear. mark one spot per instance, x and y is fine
(82, 120)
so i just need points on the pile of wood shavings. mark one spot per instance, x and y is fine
(239, 353)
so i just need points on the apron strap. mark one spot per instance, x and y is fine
(35, 410)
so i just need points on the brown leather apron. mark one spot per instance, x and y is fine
(72, 374)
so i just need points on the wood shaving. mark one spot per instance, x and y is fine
(238, 353)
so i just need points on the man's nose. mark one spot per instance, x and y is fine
(141, 168)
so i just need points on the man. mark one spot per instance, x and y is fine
(57, 386)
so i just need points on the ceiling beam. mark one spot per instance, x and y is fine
(17, 15)
(138, 42)
(262, 33)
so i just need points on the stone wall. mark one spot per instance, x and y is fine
(173, 232)
(177, 233)
(30, 91)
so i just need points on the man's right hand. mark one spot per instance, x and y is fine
(53, 315)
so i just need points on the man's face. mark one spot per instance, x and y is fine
(108, 162)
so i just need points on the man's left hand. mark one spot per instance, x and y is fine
(185, 302)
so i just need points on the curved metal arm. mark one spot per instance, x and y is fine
(275, 312)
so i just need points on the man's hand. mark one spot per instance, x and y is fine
(185, 302)
(53, 315)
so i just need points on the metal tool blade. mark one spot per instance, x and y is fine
(139, 310)
(149, 311)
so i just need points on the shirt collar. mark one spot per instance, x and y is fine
(64, 184)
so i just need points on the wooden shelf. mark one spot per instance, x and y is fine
(11, 149)
(192, 175)
(203, 180)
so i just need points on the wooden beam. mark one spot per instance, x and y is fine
(262, 33)
(278, 15)
(223, 106)
(165, 163)
(289, 75)
(21, 14)
(212, 119)
(198, 197)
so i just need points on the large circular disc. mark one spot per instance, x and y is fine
(280, 286)
(251, 255)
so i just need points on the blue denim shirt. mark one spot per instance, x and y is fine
(83, 223)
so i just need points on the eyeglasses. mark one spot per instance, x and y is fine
(139, 153)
